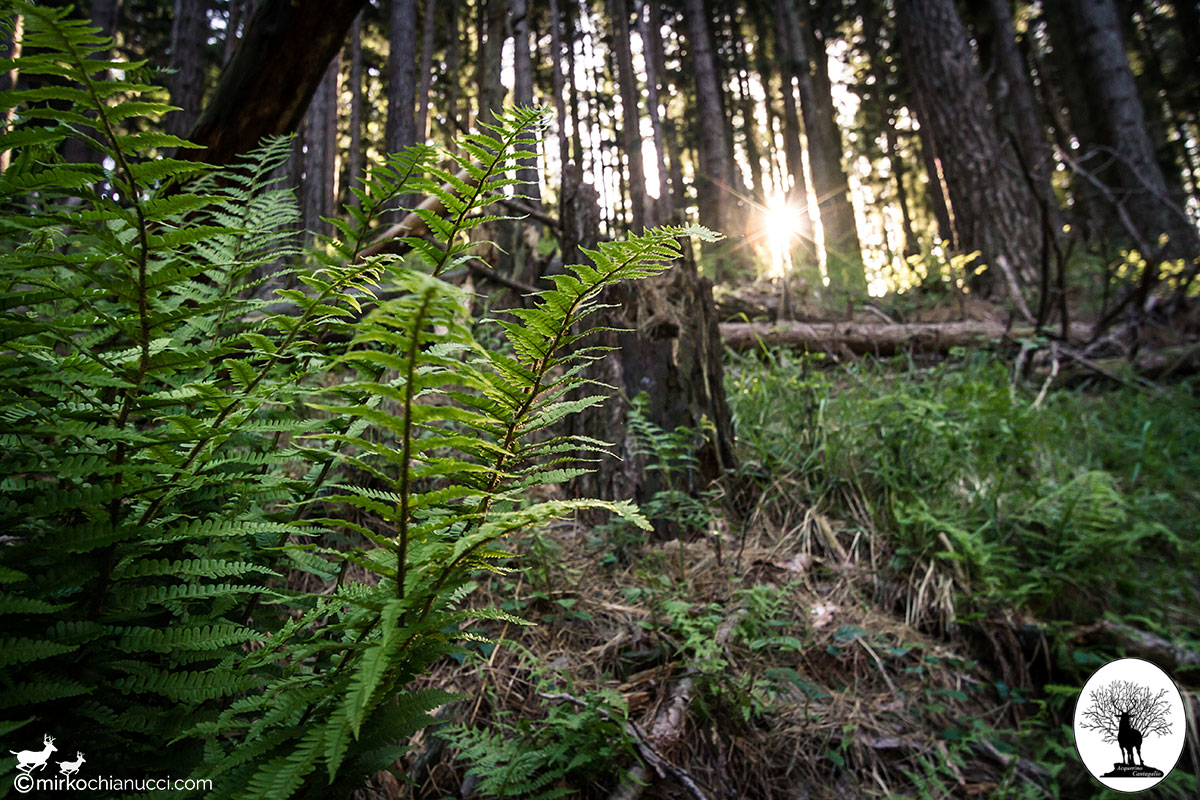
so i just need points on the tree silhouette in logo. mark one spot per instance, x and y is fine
(1125, 712)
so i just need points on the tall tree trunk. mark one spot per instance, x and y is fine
(428, 17)
(233, 25)
(631, 118)
(714, 177)
(991, 206)
(882, 94)
(320, 152)
(569, 38)
(672, 176)
(14, 28)
(453, 67)
(525, 246)
(839, 230)
(402, 68)
(804, 258)
(267, 85)
(652, 53)
(354, 156)
(491, 90)
(747, 108)
(559, 86)
(189, 37)
(1137, 180)
(1030, 138)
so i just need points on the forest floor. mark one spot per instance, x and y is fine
(940, 554)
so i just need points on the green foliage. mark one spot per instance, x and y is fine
(176, 453)
(1082, 505)
(578, 741)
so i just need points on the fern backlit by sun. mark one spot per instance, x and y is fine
(174, 448)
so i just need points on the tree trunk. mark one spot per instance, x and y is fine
(189, 38)
(426, 70)
(525, 246)
(669, 348)
(354, 157)
(559, 86)
(631, 119)
(402, 76)
(673, 174)
(453, 67)
(233, 24)
(797, 195)
(320, 152)
(1137, 181)
(1030, 139)
(714, 173)
(991, 206)
(652, 52)
(843, 253)
(272, 76)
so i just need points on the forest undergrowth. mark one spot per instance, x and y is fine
(939, 558)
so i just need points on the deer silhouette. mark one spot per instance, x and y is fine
(1129, 738)
(29, 760)
(71, 767)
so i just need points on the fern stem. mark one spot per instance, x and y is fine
(406, 446)
(540, 371)
(462, 215)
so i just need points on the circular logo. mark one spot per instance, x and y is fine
(1129, 725)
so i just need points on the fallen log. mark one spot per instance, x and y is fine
(875, 338)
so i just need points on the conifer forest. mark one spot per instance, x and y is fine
(603, 399)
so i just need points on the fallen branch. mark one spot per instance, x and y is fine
(1142, 644)
(864, 337)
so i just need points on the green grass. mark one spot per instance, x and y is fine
(1083, 506)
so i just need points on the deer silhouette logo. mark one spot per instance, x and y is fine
(1129, 739)
(29, 760)
(69, 768)
(1129, 706)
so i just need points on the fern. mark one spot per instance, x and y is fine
(173, 445)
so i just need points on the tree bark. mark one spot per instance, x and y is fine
(715, 169)
(673, 174)
(631, 132)
(402, 76)
(839, 230)
(652, 52)
(426, 70)
(1136, 180)
(354, 157)
(1030, 138)
(877, 338)
(991, 205)
(189, 36)
(668, 347)
(273, 74)
(793, 148)
(319, 193)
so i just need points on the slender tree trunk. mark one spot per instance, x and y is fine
(189, 35)
(320, 153)
(402, 90)
(1137, 180)
(882, 94)
(523, 91)
(491, 89)
(992, 207)
(233, 25)
(715, 168)
(569, 37)
(427, 23)
(1030, 139)
(354, 155)
(839, 229)
(631, 119)
(747, 108)
(454, 68)
(652, 52)
(557, 57)
(804, 255)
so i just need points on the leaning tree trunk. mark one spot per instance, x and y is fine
(992, 208)
(1138, 183)
(266, 87)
